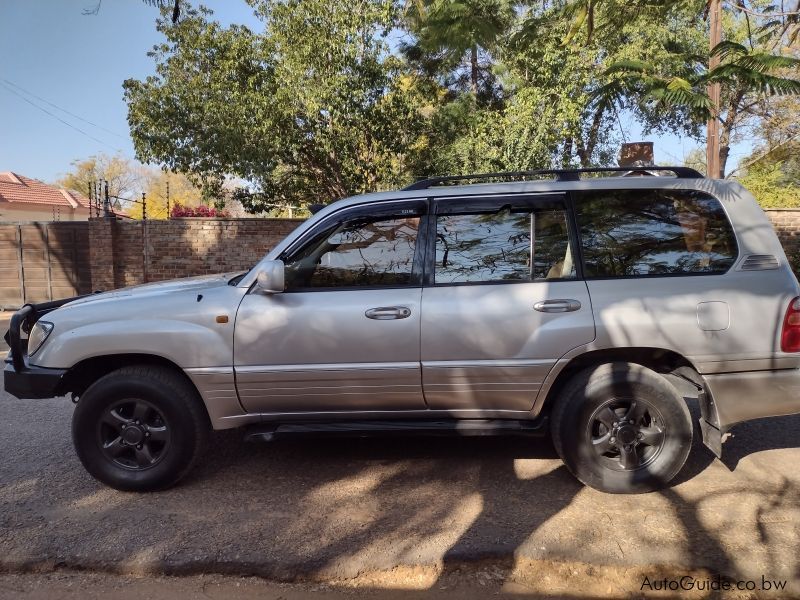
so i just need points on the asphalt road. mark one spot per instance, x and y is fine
(333, 510)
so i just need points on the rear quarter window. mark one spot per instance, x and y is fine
(641, 233)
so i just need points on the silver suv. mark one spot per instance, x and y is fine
(592, 307)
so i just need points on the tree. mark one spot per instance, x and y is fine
(772, 171)
(772, 184)
(696, 159)
(547, 116)
(453, 30)
(311, 110)
(751, 65)
(320, 106)
(123, 177)
(157, 184)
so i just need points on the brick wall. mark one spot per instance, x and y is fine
(105, 254)
(186, 247)
(786, 222)
(158, 250)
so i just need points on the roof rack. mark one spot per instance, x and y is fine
(559, 174)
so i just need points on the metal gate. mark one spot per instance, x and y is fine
(43, 261)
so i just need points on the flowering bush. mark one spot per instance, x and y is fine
(179, 210)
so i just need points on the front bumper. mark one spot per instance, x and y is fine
(21, 379)
(32, 382)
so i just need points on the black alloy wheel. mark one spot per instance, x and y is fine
(133, 434)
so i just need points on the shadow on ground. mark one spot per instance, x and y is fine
(435, 509)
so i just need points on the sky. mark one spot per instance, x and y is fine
(55, 59)
(49, 49)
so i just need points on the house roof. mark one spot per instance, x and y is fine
(18, 188)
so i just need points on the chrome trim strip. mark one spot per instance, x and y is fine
(326, 367)
(463, 413)
(210, 370)
(301, 392)
(461, 364)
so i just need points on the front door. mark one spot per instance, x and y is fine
(345, 335)
(503, 301)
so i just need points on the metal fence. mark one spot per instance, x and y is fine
(40, 262)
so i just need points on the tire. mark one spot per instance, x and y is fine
(604, 450)
(140, 428)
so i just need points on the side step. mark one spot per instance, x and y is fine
(452, 427)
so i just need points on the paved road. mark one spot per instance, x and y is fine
(338, 509)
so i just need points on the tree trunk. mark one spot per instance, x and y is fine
(725, 131)
(473, 63)
(586, 150)
(566, 154)
(724, 150)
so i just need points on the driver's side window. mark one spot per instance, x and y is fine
(362, 252)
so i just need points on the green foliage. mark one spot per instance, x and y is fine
(753, 71)
(457, 26)
(753, 67)
(319, 105)
(449, 29)
(312, 109)
(772, 185)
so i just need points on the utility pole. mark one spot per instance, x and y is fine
(712, 138)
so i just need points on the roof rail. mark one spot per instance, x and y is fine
(559, 175)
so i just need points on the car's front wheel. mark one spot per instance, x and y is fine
(622, 428)
(139, 428)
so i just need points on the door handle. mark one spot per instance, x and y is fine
(385, 313)
(557, 306)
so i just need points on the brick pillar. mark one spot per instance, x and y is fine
(101, 252)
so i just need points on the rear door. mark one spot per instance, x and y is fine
(503, 300)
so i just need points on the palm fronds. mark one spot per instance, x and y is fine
(740, 68)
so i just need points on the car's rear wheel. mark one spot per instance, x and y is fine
(139, 428)
(622, 428)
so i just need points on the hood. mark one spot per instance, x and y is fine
(186, 284)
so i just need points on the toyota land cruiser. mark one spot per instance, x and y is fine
(513, 303)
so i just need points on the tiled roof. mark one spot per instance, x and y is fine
(17, 188)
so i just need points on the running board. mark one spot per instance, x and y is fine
(462, 427)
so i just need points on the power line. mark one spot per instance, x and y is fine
(68, 124)
(64, 110)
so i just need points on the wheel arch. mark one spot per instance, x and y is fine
(679, 371)
(84, 373)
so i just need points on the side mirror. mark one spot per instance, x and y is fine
(270, 278)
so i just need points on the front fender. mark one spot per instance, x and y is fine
(184, 343)
(192, 328)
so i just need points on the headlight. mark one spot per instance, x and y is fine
(38, 335)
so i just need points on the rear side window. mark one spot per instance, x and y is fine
(640, 233)
(519, 244)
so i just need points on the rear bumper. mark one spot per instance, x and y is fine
(32, 382)
(751, 395)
